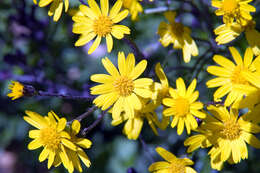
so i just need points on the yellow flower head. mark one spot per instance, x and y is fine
(172, 163)
(253, 37)
(134, 7)
(228, 134)
(226, 34)
(50, 135)
(17, 90)
(79, 154)
(183, 106)
(121, 88)
(238, 10)
(232, 79)
(93, 22)
(178, 35)
(55, 8)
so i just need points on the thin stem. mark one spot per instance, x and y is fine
(85, 114)
(92, 126)
(82, 2)
(135, 49)
(64, 96)
(146, 148)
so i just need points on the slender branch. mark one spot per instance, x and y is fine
(156, 10)
(146, 148)
(64, 96)
(85, 114)
(82, 2)
(98, 120)
(133, 46)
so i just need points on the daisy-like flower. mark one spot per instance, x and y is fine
(17, 90)
(253, 37)
(238, 10)
(55, 8)
(171, 163)
(79, 154)
(93, 22)
(50, 135)
(183, 106)
(134, 8)
(121, 88)
(232, 79)
(227, 133)
(179, 35)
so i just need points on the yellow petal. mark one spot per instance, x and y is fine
(94, 7)
(138, 70)
(44, 154)
(94, 45)
(85, 38)
(115, 9)
(109, 42)
(236, 55)
(165, 154)
(104, 7)
(120, 16)
(110, 68)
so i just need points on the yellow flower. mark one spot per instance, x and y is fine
(238, 10)
(17, 90)
(55, 8)
(134, 7)
(50, 135)
(227, 133)
(232, 79)
(93, 22)
(253, 37)
(178, 35)
(172, 163)
(226, 34)
(79, 154)
(121, 88)
(183, 106)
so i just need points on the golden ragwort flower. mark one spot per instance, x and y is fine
(238, 10)
(172, 163)
(55, 8)
(232, 79)
(134, 8)
(93, 22)
(59, 146)
(183, 106)
(178, 35)
(121, 89)
(227, 133)
(17, 90)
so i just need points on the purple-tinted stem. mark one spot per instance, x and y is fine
(135, 49)
(82, 2)
(64, 96)
(85, 114)
(146, 148)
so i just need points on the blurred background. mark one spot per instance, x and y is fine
(37, 51)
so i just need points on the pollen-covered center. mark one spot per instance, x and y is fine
(182, 106)
(229, 6)
(178, 29)
(237, 77)
(50, 138)
(124, 86)
(231, 130)
(177, 167)
(102, 26)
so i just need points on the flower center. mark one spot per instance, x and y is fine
(177, 167)
(231, 130)
(124, 86)
(229, 6)
(237, 77)
(102, 26)
(178, 29)
(50, 138)
(182, 106)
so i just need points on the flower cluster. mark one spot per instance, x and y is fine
(133, 96)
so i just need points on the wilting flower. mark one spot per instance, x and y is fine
(179, 35)
(182, 106)
(93, 22)
(121, 89)
(227, 133)
(232, 79)
(172, 163)
(238, 10)
(134, 7)
(55, 8)
(17, 90)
